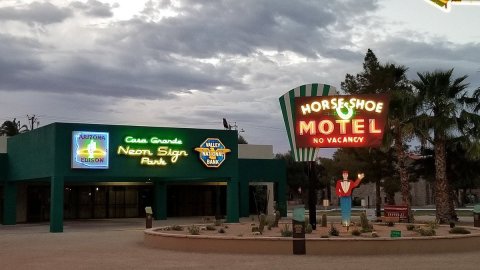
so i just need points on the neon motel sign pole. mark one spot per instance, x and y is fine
(317, 117)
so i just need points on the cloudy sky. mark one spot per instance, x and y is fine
(185, 63)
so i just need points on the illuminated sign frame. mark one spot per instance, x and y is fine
(212, 152)
(340, 121)
(90, 150)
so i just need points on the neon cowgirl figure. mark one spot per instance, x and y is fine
(344, 192)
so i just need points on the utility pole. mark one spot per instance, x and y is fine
(33, 120)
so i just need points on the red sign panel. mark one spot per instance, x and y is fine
(340, 121)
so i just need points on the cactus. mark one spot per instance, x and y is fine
(262, 222)
(277, 218)
(364, 221)
(324, 220)
(308, 228)
(366, 226)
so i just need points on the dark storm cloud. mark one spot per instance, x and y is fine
(240, 27)
(43, 13)
(440, 50)
(422, 56)
(95, 8)
(147, 58)
(17, 58)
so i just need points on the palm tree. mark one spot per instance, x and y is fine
(391, 79)
(444, 114)
(12, 128)
(402, 111)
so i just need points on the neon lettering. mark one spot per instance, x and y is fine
(326, 127)
(339, 104)
(127, 151)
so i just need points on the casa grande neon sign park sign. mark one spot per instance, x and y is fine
(169, 151)
(340, 121)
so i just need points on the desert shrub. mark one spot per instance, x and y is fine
(255, 229)
(459, 230)
(285, 231)
(325, 236)
(218, 222)
(432, 225)
(366, 230)
(194, 230)
(410, 227)
(210, 228)
(428, 231)
(221, 230)
(176, 228)
(356, 232)
(333, 231)
(374, 234)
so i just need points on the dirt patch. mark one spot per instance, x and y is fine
(248, 229)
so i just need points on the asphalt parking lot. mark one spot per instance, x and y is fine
(118, 244)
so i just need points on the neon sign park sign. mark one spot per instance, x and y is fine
(340, 121)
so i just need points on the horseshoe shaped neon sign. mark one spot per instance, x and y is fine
(345, 116)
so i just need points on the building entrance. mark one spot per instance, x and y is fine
(88, 202)
(196, 200)
(106, 201)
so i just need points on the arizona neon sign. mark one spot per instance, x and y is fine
(340, 121)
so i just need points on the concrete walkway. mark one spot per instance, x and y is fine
(118, 244)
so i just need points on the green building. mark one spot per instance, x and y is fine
(74, 171)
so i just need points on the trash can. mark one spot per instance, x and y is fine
(148, 217)
(298, 230)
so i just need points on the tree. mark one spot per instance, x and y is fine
(463, 171)
(296, 173)
(444, 114)
(390, 79)
(241, 140)
(12, 128)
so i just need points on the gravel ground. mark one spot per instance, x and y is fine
(118, 244)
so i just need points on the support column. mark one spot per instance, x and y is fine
(160, 203)
(9, 203)
(271, 195)
(56, 204)
(244, 198)
(232, 201)
(282, 196)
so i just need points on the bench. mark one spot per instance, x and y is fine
(395, 213)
